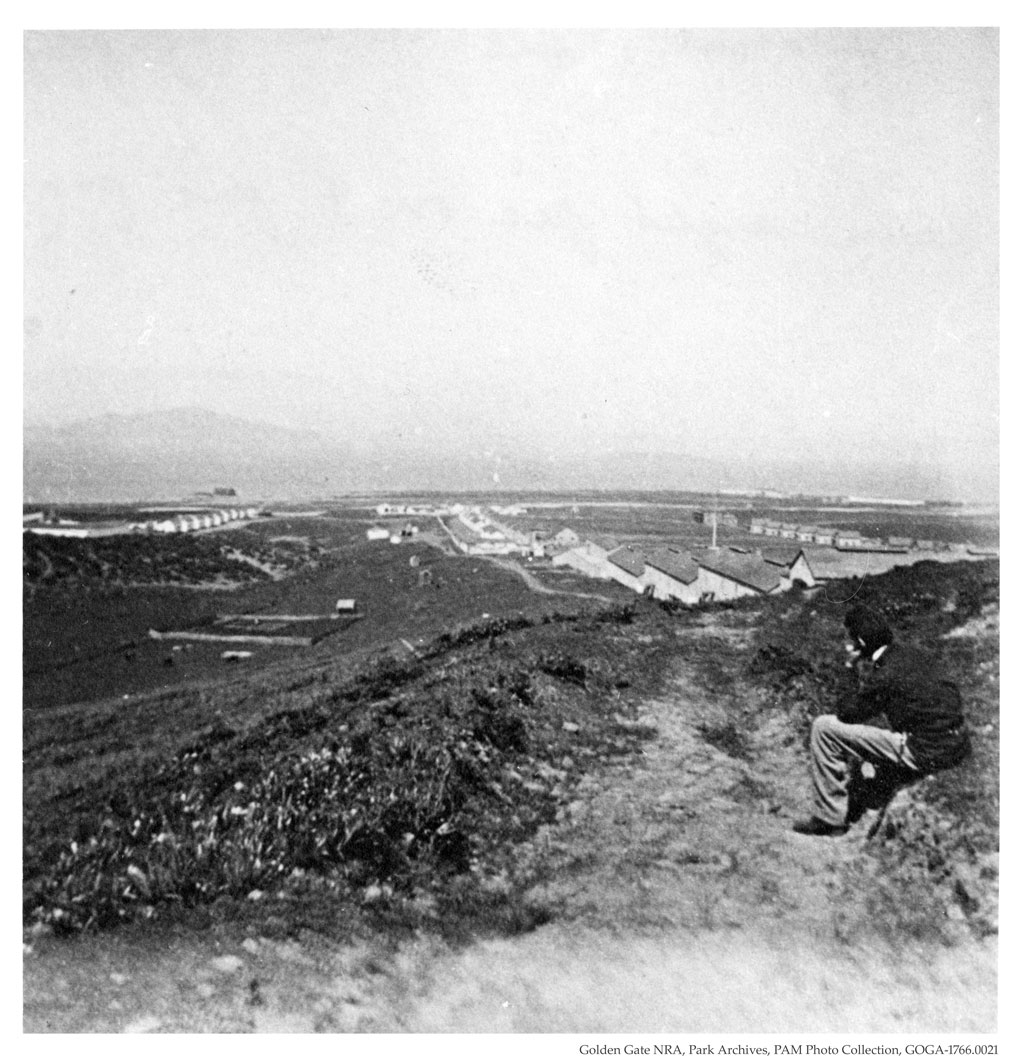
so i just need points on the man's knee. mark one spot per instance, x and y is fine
(823, 725)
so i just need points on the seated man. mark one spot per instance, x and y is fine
(925, 732)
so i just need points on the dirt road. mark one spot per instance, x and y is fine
(537, 585)
(683, 903)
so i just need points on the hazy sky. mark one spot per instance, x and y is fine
(748, 241)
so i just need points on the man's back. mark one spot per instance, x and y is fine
(906, 685)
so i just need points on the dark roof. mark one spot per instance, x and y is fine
(829, 563)
(629, 559)
(871, 545)
(675, 563)
(751, 571)
(781, 557)
(609, 544)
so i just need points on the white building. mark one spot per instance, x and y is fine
(672, 574)
(626, 565)
(728, 575)
(588, 558)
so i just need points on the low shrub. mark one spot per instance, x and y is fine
(396, 783)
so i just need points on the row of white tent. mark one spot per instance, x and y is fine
(187, 521)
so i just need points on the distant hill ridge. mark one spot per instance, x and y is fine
(173, 453)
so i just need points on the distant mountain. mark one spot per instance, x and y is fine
(176, 453)
(172, 454)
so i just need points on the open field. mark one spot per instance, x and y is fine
(85, 645)
(86, 625)
(654, 523)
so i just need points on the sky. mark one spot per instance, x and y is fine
(750, 243)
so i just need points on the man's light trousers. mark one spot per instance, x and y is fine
(836, 749)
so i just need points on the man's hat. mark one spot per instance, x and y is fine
(869, 627)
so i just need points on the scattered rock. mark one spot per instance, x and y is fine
(118, 979)
(228, 963)
(570, 726)
(251, 946)
(254, 896)
(205, 990)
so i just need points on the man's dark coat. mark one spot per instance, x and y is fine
(904, 686)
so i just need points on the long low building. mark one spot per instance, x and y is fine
(725, 574)
(829, 564)
(588, 558)
(672, 574)
(668, 573)
(626, 565)
(793, 564)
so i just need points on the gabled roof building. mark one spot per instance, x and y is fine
(727, 575)
(672, 574)
(626, 565)
(793, 565)
(588, 558)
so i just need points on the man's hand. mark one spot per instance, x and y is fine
(852, 655)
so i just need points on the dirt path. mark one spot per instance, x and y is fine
(683, 903)
(536, 585)
(275, 573)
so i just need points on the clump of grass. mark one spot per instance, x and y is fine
(389, 800)
(564, 667)
(393, 785)
(728, 738)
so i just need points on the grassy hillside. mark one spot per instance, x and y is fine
(86, 641)
(399, 794)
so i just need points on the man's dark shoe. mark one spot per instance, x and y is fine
(816, 826)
